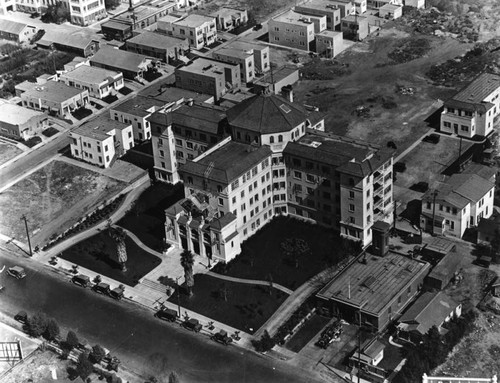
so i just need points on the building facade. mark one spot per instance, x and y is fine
(322, 8)
(199, 29)
(329, 43)
(18, 122)
(18, 32)
(293, 30)
(475, 109)
(355, 27)
(99, 82)
(245, 59)
(260, 54)
(230, 18)
(86, 12)
(164, 48)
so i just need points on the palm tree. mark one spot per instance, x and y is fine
(187, 261)
(119, 235)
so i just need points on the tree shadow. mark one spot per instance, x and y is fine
(412, 211)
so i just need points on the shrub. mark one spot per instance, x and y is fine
(71, 340)
(83, 366)
(37, 324)
(97, 354)
(52, 330)
(265, 343)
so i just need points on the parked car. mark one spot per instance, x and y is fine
(117, 293)
(257, 27)
(432, 138)
(21, 316)
(16, 272)
(192, 324)
(102, 288)
(167, 314)
(81, 280)
(222, 337)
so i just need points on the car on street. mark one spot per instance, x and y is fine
(167, 314)
(81, 280)
(16, 272)
(102, 288)
(117, 293)
(21, 316)
(222, 337)
(192, 324)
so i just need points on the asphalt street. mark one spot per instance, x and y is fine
(145, 344)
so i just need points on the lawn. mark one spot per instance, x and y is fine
(81, 113)
(146, 219)
(109, 99)
(125, 90)
(53, 199)
(49, 132)
(98, 253)
(247, 307)
(261, 254)
(8, 152)
(312, 327)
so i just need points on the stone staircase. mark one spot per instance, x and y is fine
(154, 285)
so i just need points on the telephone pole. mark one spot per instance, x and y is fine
(27, 233)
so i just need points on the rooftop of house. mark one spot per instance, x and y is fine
(142, 12)
(486, 172)
(169, 94)
(207, 67)
(17, 115)
(112, 24)
(430, 309)
(194, 20)
(323, 5)
(203, 117)
(246, 46)
(78, 40)
(293, 17)
(89, 74)
(479, 89)
(119, 59)
(171, 18)
(158, 41)
(99, 127)
(446, 267)
(266, 113)
(139, 106)
(327, 33)
(52, 91)
(390, 7)
(349, 156)
(374, 284)
(12, 27)
(460, 189)
(277, 75)
(355, 19)
(234, 52)
(440, 245)
(227, 163)
(226, 11)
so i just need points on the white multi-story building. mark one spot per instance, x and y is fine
(201, 30)
(457, 204)
(294, 30)
(101, 141)
(99, 82)
(475, 109)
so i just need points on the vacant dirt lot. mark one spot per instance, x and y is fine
(7, 152)
(53, 198)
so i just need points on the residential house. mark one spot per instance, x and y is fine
(430, 309)
(326, 8)
(260, 54)
(391, 11)
(75, 63)
(55, 98)
(18, 122)
(279, 78)
(415, 3)
(444, 270)
(136, 111)
(7, 6)
(473, 110)
(131, 64)
(372, 292)
(208, 76)
(201, 30)
(101, 141)
(83, 46)
(347, 7)
(144, 15)
(182, 133)
(229, 18)
(371, 354)
(116, 30)
(217, 181)
(355, 27)
(86, 12)
(171, 96)
(164, 48)
(456, 204)
(329, 43)
(245, 59)
(99, 82)
(18, 32)
(293, 30)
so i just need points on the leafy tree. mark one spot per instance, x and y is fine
(56, 13)
(173, 378)
(295, 248)
(119, 235)
(111, 4)
(37, 324)
(433, 347)
(71, 340)
(187, 261)
(265, 343)
(97, 354)
(84, 366)
(52, 330)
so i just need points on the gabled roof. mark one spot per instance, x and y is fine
(203, 117)
(12, 27)
(74, 40)
(431, 309)
(138, 106)
(266, 114)
(486, 172)
(158, 41)
(480, 88)
(119, 59)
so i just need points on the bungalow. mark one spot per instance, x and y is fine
(164, 48)
(81, 45)
(229, 18)
(474, 110)
(18, 32)
(99, 82)
(132, 65)
(18, 122)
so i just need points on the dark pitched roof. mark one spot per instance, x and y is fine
(227, 162)
(203, 117)
(486, 172)
(119, 59)
(158, 41)
(12, 27)
(169, 94)
(138, 106)
(471, 97)
(266, 114)
(431, 309)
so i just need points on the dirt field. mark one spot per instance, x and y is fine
(54, 198)
(7, 152)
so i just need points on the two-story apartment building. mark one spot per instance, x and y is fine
(201, 30)
(230, 18)
(99, 82)
(165, 48)
(329, 43)
(208, 76)
(293, 30)
(322, 8)
(18, 32)
(355, 27)
(260, 54)
(474, 110)
(136, 111)
(101, 141)
(182, 133)
(245, 59)
(457, 204)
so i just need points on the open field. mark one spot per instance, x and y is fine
(8, 152)
(53, 198)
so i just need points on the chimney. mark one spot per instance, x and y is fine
(287, 92)
(130, 6)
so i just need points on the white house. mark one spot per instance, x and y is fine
(99, 82)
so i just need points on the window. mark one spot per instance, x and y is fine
(235, 185)
(234, 200)
(178, 142)
(447, 124)
(351, 207)
(219, 189)
(352, 220)
(310, 178)
(271, 139)
(162, 153)
(221, 202)
(189, 145)
(243, 207)
(280, 138)
(351, 195)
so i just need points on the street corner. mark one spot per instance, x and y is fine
(14, 347)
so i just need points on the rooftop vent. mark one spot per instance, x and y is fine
(369, 281)
(208, 67)
(285, 108)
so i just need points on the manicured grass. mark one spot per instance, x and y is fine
(247, 306)
(98, 253)
(35, 140)
(312, 327)
(261, 254)
(125, 90)
(109, 99)
(151, 76)
(147, 217)
(81, 113)
(49, 132)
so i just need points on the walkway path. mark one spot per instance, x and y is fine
(250, 282)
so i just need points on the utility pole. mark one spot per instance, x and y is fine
(178, 295)
(359, 342)
(27, 233)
